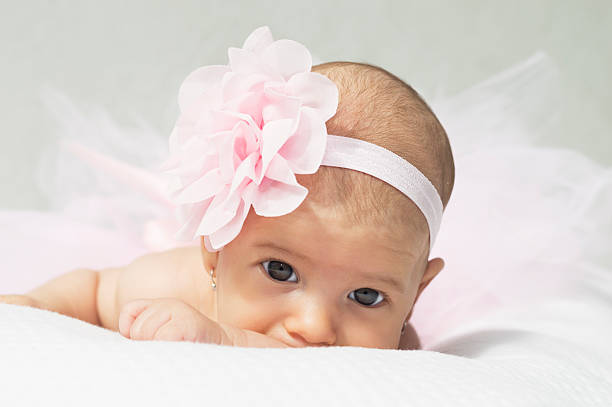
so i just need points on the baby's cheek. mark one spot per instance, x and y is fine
(243, 313)
(249, 301)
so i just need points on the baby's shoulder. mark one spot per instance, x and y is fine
(175, 273)
(167, 262)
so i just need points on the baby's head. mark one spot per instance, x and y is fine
(345, 267)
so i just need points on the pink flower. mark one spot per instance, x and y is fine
(244, 131)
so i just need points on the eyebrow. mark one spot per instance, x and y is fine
(388, 280)
(282, 249)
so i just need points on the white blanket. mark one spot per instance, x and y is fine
(555, 354)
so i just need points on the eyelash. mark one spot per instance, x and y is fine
(383, 293)
(384, 301)
(280, 261)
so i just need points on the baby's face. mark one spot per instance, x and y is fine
(310, 279)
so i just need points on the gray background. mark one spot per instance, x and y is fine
(129, 57)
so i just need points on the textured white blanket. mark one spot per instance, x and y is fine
(555, 354)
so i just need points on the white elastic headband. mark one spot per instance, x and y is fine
(359, 155)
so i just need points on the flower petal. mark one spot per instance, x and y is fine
(236, 85)
(223, 142)
(243, 61)
(194, 217)
(221, 210)
(193, 159)
(198, 83)
(250, 104)
(274, 135)
(229, 232)
(246, 169)
(279, 170)
(246, 141)
(196, 119)
(287, 57)
(208, 245)
(305, 149)
(259, 39)
(279, 106)
(203, 188)
(275, 198)
(221, 120)
(316, 91)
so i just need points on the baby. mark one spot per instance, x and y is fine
(344, 268)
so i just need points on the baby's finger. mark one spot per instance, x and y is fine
(129, 313)
(148, 322)
(170, 332)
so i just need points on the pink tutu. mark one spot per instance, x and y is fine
(521, 224)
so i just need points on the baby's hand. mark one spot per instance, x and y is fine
(169, 319)
(19, 300)
(25, 300)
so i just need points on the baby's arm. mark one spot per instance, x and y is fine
(72, 294)
(96, 297)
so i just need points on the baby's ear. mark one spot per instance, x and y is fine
(209, 259)
(434, 266)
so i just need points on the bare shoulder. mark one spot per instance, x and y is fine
(159, 272)
(167, 274)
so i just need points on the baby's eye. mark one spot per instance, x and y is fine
(366, 296)
(279, 271)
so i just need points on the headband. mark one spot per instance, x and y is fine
(247, 128)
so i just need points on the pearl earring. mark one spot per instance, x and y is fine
(404, 327)
(213, 283)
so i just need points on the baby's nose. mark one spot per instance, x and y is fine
(311, 325)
